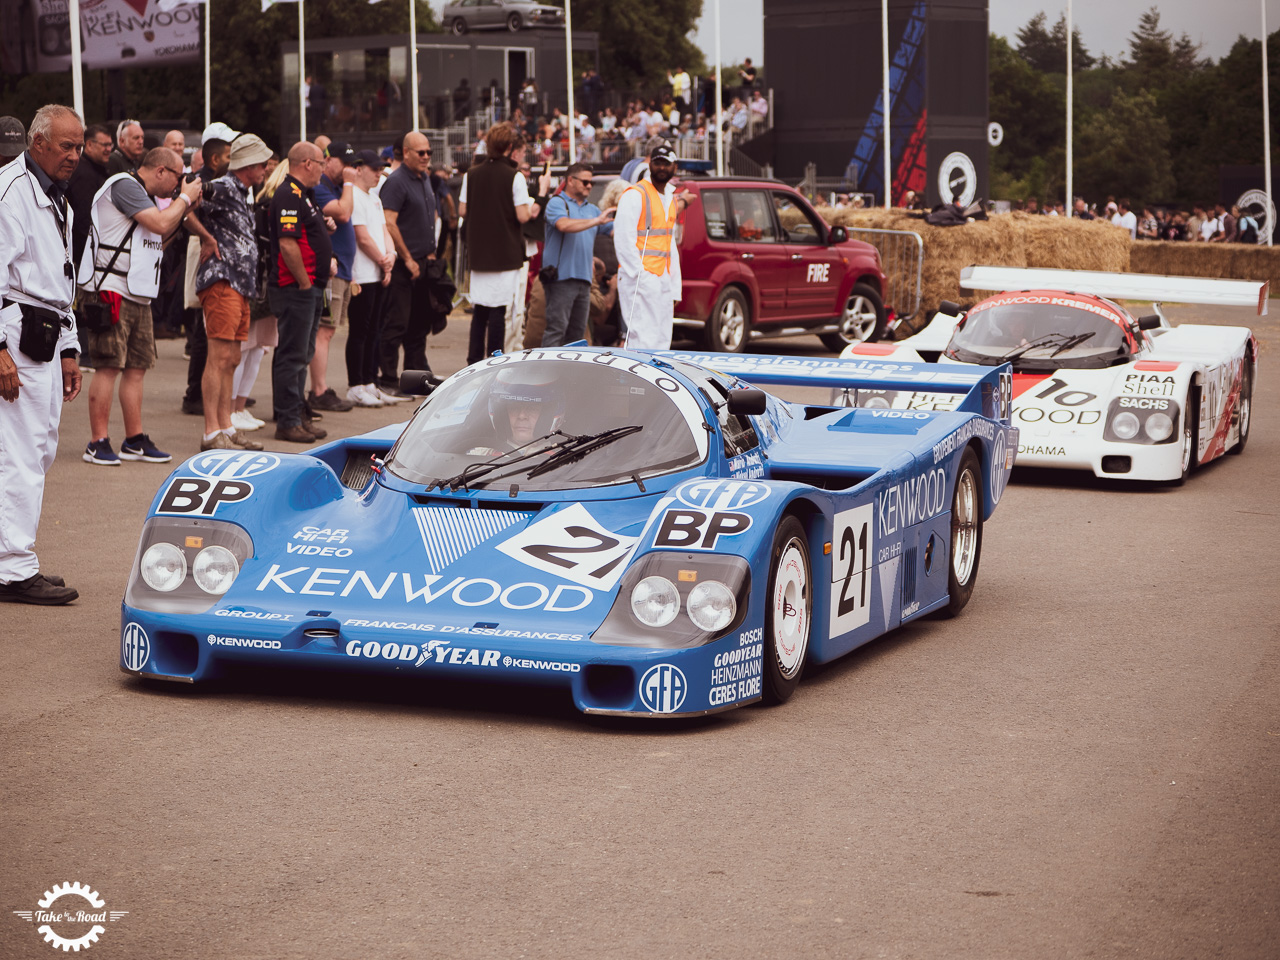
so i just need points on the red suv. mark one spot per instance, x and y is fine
(757, 262)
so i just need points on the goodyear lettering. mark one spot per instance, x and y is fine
(373, 650)
(912, 501)
(215, 641)
(910, 608)
(972, 428)
(463, 591)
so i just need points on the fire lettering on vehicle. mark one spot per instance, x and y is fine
(463, 591)
(818, 273)
(973, 428)
(912, 501)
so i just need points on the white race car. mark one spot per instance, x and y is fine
(1094, 387)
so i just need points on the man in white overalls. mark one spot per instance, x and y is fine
(124, 252)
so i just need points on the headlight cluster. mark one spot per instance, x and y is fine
(675, 600)
(1142, 420)
(186, 564)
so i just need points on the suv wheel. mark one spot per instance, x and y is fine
(729, 326)
(863, 320)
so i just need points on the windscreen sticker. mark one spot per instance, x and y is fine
(853, 546)
(573, 545)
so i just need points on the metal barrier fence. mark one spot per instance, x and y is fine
(902, 256)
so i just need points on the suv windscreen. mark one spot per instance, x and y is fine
(799, 225)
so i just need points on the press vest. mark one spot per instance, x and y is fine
(136, 272)
(653, 229)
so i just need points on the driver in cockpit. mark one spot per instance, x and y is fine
(525, 404)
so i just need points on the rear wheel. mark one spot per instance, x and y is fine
(787, 620)
(863, 320)
(966, 533)
(514, 22)
(459, 26)
(729, 325)
(1244, 409)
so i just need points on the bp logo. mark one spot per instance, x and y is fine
(135, 648)
(662, 688)
(65, 922)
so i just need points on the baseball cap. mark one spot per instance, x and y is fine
(662, 151)
(248, 149)
(388, 153)
(13, 137)
(342, 151)
(218, 131)
(367, 158)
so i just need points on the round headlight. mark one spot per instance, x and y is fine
(1125, 425)
(711, 606)
(164, 567)
(215, 569)
(655, 601)
(1159, 426)
(876, 403)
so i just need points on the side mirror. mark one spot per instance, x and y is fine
(950, 307)
(747, 402)
(837, 235)
(1150, 322)
(419, 383)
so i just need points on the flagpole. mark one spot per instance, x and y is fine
(1266, 125)
(1071, 200)
(884, 96)
(413, 61)
(208, 41)
(568, 60)
(719, 100)
(302, 73)
(77, 77)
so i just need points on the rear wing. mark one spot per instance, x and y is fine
(987, 390)
(1121, 286)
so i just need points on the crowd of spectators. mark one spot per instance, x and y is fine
(1203, 223)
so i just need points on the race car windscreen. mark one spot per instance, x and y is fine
(1054, 333)
(551, 425)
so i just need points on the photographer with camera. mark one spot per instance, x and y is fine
(127, 243)
(572, 224)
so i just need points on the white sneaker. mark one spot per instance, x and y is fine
(245, 422)
(386, 397)
(361, 397)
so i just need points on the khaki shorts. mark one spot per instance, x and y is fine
(339, 301)
(129, 344)
(226, 313)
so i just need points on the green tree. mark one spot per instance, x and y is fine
(1032, 110)
(1045, 50)
(1124, 151)
(640, 40)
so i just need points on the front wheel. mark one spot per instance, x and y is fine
(966, 533)
(1190, 435)
(514, 22)
(459, 26)
(1244, 409)
(863, 320)
(788, 619)
(729, 326)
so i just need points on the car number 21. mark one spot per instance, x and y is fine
(573, 545)
(852, 547)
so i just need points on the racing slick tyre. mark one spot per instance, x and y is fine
(1190, 435)
(729, 326)
(966, 533)
(459, 26)
(788, 618)
(514, 22)
(863, 320)
(1246, 407)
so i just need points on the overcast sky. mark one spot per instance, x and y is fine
(1104, 27)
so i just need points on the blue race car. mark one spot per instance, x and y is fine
(647, 531)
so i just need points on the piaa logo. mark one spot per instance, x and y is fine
(71, 916)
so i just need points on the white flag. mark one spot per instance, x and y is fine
(267, 4)
(168, 6)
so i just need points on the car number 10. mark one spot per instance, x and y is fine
(853, 546)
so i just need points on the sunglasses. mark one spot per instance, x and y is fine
(421, 153)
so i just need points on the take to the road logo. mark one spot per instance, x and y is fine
(71, 916)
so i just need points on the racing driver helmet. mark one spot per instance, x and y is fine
(525, 402)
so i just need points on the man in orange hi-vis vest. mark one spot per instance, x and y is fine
(648, 261)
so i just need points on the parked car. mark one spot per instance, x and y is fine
(510, 15)
(758, 262)
(646, 532)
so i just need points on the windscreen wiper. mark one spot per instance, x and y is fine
(1064, 341)
(1075, 341)
(575, 448)
(482, 468)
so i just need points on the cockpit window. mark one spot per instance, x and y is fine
(1041, 335)
(552, 425)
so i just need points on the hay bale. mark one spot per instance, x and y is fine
(1009, 240)
(1231, 261)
